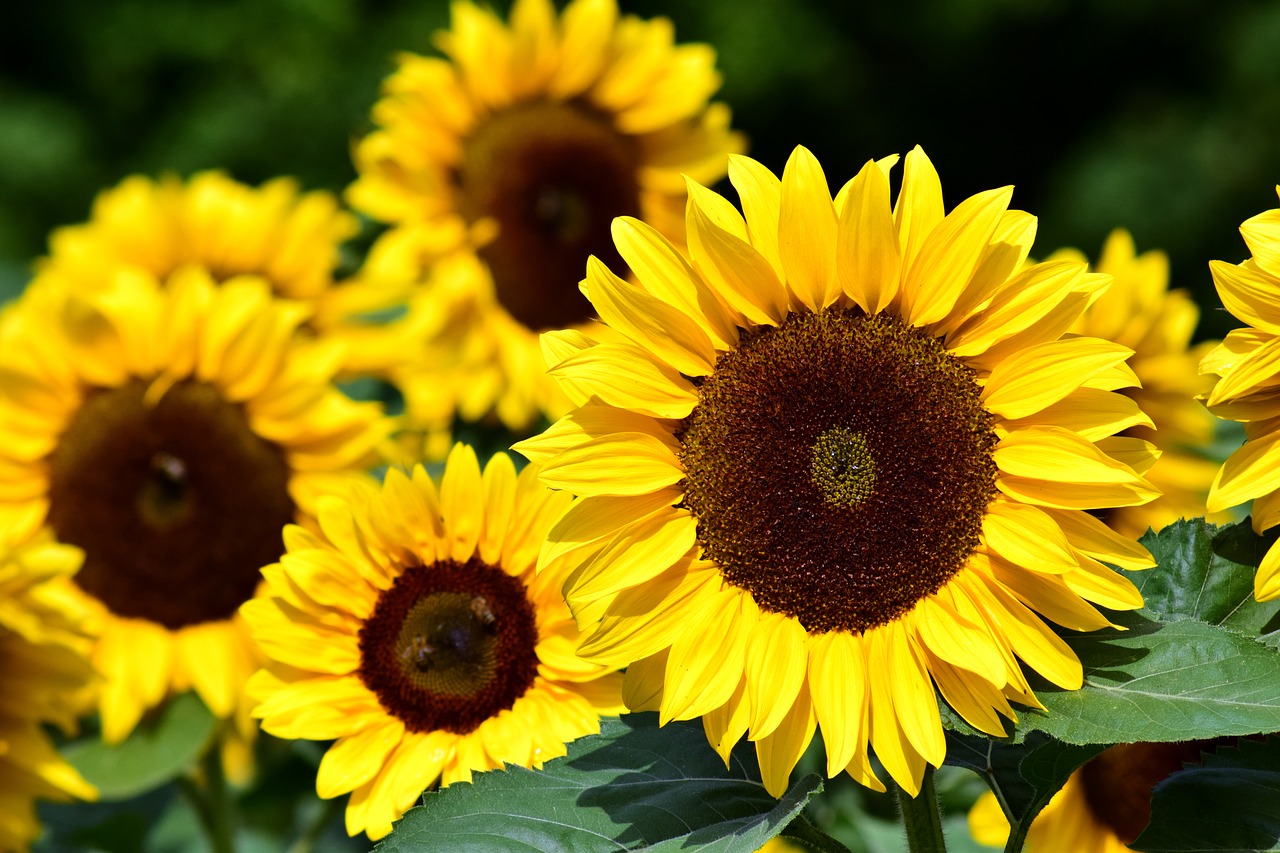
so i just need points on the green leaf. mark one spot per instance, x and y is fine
(149, 757)
(1023, 776)
(1231, 801)
(1163, 681)
(1206, 573)
(633, 786)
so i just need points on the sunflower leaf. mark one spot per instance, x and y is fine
(1024, 776)
(633, 786)
(1163, 681)
(1206, 573)
(1229, 802)
(150, 756)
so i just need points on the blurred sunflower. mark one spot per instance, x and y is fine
(844, 455)
(1247, 363)
(43, 658)
(415, 632)
(1140, 312)
(290, 238)
(1103, 806)
(520, 147)
(170, 431)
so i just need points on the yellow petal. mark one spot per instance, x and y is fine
(779, 751)
(1026, 536)
(704, 666)
(739, 273)
(636, 553)
(760, 192)
(630, 378)
(939, 272)
(838, 686)
(867, 246)
(354, 760)
(1041, 375)
(776, 661)
(1091, 536)
(919, 207)
(1250, 472)
(1250, 295)
(807, 232)
(725, 725)
(625, 463)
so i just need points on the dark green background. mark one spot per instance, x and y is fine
(1162, 116)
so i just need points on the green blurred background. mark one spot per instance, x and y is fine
(1162, 116)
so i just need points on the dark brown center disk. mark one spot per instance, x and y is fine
(177, 505)
(839, 467)
(450, 645)
(1118, 782)
(553, 176)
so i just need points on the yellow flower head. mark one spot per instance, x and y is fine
(1103, 806)
(289, 238)
(843, 455)
(43, 659)
(521, 146)
(1140, 312)
(1247, 388)
(170, 432)
(413, 631)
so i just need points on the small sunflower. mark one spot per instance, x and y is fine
(170, 431)
(1248, 386)
(1140, 312)
(522, 146)
(290, 238)
(414, 631)
(1102, 808)
(43, 660)
(844, 455)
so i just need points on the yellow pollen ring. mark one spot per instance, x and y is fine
(843, 468)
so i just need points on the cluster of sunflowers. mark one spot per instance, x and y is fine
(845, 463)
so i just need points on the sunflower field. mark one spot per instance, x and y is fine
(590, 425)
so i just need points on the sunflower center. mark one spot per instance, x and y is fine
(450, 645)
(1118, 782)
(176, 503)
(553, 176)
(839, 466)
(843, 468)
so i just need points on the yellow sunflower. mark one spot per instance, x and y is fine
(1248, 388)
(290, 238)
(521, 146)
(1140, 312)
(1103, 806)
(844, 455)
(414, 631)
(170, 431)
(43, 658)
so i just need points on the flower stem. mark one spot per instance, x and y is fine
(212, 800)
(921, 818)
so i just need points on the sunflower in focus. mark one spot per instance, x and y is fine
(43, 660)
(170, 431)
(843, 455)
(1140, 312)
(1103, 807)
(413, 630)
(519, 147)
(1248, 386)
(289, 238)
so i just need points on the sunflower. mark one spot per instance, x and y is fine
(290, 238)
(1140, 312)
(1248, 387)
(1103, 806)
(43, 658)
(520, 147)
(170, 431)
(844, 455)
(414, 631)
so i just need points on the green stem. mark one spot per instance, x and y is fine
(329, 811)
(221, 824)
(921, 818)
